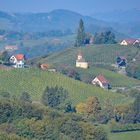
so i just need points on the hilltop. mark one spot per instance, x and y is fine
(54, 20)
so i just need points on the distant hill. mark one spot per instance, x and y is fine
(56, 20)
(126, 22)
(119, 16)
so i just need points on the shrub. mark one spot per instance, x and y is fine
(54, 96)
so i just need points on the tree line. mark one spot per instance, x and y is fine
(82, 38)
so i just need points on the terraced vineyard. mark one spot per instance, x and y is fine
(116, 80)
(103, 55)
(34, 81)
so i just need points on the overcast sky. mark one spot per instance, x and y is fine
(85, 7)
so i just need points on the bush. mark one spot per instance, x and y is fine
(54, 96)
(9, 111)
(4, 136)
(72, 129)
(25, 97)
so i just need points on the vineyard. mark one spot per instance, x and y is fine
(116, 80)
(34, 81)
(105, 54)
(100, 58)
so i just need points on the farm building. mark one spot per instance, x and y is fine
(121, 61)
(17, 61)
(43, 66)
(80, 62)
(11, 47)
(126, 42)
(137, 41)
(101, 81)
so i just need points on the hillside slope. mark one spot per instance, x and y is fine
(34, 81)
(100, 58)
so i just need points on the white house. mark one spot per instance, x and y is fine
(126, 42)
(11, 47)
(17, 60)
(80, 62)
(101, 81)
(137, 41)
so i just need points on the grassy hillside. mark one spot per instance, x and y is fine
(100, 58)
(34, 82)
(135, 135)
(116, 80)
(95, 54)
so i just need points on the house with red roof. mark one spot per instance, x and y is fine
(101, 81)
(126, 42)
(17, 61)
(43, 66)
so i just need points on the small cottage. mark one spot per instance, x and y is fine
(43, 66)
(137, 41)
(101, 81)
(11, 47)
(126, 42)
(80, 62)
(17, 60)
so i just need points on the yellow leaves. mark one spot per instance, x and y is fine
(81, 108)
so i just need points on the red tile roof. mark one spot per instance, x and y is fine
(130, 41)
(102, 79)
(43, 66)
(19, 56)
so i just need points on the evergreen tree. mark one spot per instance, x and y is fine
(80, 34)
(106, 37)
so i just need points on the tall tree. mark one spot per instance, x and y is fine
(80, 39)
(54, 96)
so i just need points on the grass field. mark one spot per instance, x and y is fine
(134, 135)
(34, 81)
